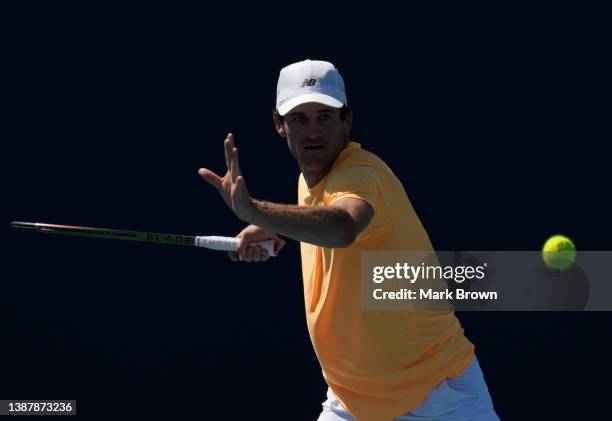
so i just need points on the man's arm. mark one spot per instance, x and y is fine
(336, 225)
(333, 226)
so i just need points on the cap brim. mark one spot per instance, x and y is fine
(310, 97)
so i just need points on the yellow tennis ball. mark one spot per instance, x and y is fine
(559, 252)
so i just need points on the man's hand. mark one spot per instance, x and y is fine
(232, 186)
(247, 253)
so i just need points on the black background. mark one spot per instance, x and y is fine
(495, 118)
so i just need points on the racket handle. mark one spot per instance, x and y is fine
(215, 242)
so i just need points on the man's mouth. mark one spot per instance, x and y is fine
(313, 147)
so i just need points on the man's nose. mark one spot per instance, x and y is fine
(313, 130)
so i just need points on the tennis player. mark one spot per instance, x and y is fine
(379, 366)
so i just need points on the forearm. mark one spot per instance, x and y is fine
(318, 225)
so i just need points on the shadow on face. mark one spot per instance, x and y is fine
(316, 134)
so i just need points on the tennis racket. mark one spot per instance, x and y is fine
(213, 242)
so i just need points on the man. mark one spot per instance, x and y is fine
(379, 366)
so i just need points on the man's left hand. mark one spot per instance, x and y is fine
(232, 186)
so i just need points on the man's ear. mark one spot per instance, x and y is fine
(348, 121)
(280, 128)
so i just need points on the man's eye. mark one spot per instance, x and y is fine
(324, 117)
(298, 119)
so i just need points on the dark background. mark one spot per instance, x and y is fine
(495, 118)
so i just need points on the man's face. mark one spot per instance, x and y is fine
(315, 134)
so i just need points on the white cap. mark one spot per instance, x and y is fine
(309, 81)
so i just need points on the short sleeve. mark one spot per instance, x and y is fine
(360, 182)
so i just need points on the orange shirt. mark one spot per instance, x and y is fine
(380, 364)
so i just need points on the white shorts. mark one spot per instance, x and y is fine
(465, 399)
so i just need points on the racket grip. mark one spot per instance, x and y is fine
(231, 244)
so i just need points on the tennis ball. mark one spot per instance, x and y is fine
(559, 252)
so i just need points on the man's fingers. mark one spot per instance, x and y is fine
(235, 166)
(211, 177)
(243, 243)
(260, 254)
(228, 145)
(248, 255)
(233, 256)
(245, 252)
(256, 254)
(249, 252)
(231, 157)
(240, 189)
